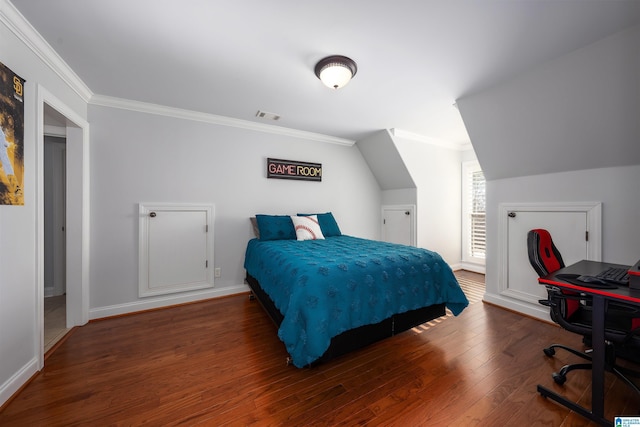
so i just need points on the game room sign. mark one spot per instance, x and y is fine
(291, 169)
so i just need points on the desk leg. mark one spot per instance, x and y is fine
(548, 393)
(598, 357)
(597, 373)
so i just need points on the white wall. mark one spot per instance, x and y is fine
(405, 196)
(140, 157)
(437, 173)
(469, 156)
(19, 331)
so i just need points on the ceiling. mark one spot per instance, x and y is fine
(232, 58)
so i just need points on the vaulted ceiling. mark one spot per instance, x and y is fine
(232, 58)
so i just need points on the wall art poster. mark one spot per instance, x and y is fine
(293, 169)
(11, 137)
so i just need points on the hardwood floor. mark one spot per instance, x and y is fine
(55, 320)
(219, 362)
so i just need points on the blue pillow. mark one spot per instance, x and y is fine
(328, 224)
(275, 227)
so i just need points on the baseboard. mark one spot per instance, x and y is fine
(540, 312)
(164, 301)
(476, 268)
(13, 385)
(456, 267)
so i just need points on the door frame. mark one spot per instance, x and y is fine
(77, 220)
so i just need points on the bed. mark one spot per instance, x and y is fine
(332, 293)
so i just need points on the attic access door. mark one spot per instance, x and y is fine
(175, 248)
(399, 224)
(575, 229)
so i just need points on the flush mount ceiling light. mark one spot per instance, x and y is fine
(336, 71)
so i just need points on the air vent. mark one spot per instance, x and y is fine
(267, 116)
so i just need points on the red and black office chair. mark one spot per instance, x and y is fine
(543, 254)
(567, 309)
(572, 311)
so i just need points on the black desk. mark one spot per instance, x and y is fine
(600, 299)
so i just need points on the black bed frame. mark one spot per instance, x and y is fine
(358, 337)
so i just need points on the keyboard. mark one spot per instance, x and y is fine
(617, 275)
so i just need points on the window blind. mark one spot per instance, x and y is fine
(477, 244)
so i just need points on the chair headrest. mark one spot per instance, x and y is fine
(543, 254)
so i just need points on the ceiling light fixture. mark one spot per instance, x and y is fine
(336, 71)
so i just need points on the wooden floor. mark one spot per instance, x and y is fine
(55, 320)
(220, 363)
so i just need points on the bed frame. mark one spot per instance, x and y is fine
(359, 337)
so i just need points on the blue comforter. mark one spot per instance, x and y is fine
(325, 287)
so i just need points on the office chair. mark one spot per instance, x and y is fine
(572, 311)
(565, 307)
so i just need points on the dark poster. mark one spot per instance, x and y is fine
(11, 137)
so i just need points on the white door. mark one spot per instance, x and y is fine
(175, 249)
(398, 224)
(568, 231)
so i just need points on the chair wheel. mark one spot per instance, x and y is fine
(549, 351)
(559, 378)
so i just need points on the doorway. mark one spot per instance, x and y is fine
(53, 117)
(55, 303)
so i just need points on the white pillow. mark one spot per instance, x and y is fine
(307, 227)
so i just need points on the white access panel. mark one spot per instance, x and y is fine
(568, 225)
(567, 229)
(399, 224)
(175, 248)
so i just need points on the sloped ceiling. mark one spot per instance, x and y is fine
(382, 156)
(231, 58)
(579, 111)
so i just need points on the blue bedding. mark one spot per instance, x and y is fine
(325, 287)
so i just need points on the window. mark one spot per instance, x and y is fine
(474, 214)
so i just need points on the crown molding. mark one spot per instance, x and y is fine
(458, 146)
(144, 107)
(22, 29)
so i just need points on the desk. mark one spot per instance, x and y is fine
(600, 299)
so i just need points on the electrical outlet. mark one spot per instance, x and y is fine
(217, 272)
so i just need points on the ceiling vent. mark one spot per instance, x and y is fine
(267, 116)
